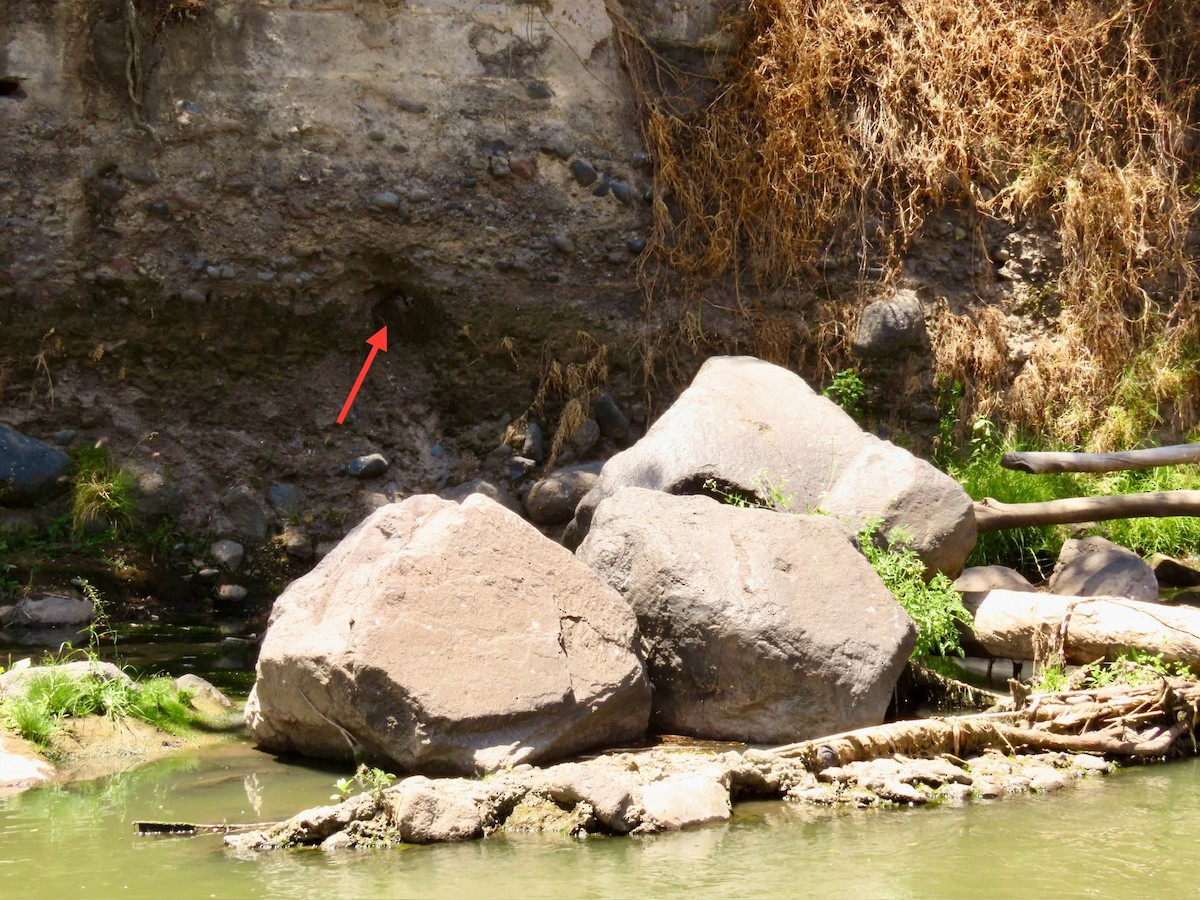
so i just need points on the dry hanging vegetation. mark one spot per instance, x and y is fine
(839, 125)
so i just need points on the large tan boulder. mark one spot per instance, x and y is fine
(758, 626)
(749, 425)
(447, 638)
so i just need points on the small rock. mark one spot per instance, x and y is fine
(192, 295)
(138, 174)
(159, 210)
(1090, 763)
(228, 554)
(899, 792)
(232, 593)
(284, 498)
(1169, 572)
(888, 327)
(241, 504)
(562, 244)
(201, 689)
(208, 574)
(612, 422)
(552, 500)
(65, 437)
(296, 543)
(367, 466)
(583, 172)
(537, 90)
(523, 168)
(585, 437)
(676, 803)
(1095, 566)
(385, 200)
(955, 793)
(635, 245)
(622, 191)
(412, 106)
(534, 445)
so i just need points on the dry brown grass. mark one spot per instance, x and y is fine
(569, 381)
(840, 125)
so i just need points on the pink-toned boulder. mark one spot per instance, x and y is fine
(446, 638)
(748, 426)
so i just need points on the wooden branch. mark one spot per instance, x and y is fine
(1042, 463)
(188, 828)
(992, 515)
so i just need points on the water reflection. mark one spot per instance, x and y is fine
(1135, 833)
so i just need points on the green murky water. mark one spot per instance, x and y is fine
(1133, 834)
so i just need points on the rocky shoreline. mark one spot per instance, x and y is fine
(643, 791)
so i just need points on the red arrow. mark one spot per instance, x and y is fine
(378, 341)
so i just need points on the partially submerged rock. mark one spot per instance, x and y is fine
(757, 626)
(659, 789)
(47, 610)
(748, 425)
(447, 638)
(21, 766)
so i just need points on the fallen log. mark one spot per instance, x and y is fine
(1012, 624)
(1041, 463)
(992, 515)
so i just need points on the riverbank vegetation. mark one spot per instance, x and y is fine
(1034, 549)
(834, 130)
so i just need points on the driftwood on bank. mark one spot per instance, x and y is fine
(1118, 720)
(1013, 624)
(992, 515)
(1041, 463)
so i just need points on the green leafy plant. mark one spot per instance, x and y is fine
(848, 391)
(768, 494)
(1133, 667)
(37, 708)
(369, 779)
(935, 607)
(101, 492)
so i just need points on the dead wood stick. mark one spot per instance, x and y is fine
(992, 515)
(186, 828)
(1097, 742)
(1042, 463)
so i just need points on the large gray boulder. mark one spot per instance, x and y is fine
(758, 626)
(1095, 566)
(447, 638)
(30, 470)
(745, 424)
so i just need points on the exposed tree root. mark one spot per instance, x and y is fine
(1133, 722)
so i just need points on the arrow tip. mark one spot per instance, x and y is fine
(379, 339)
